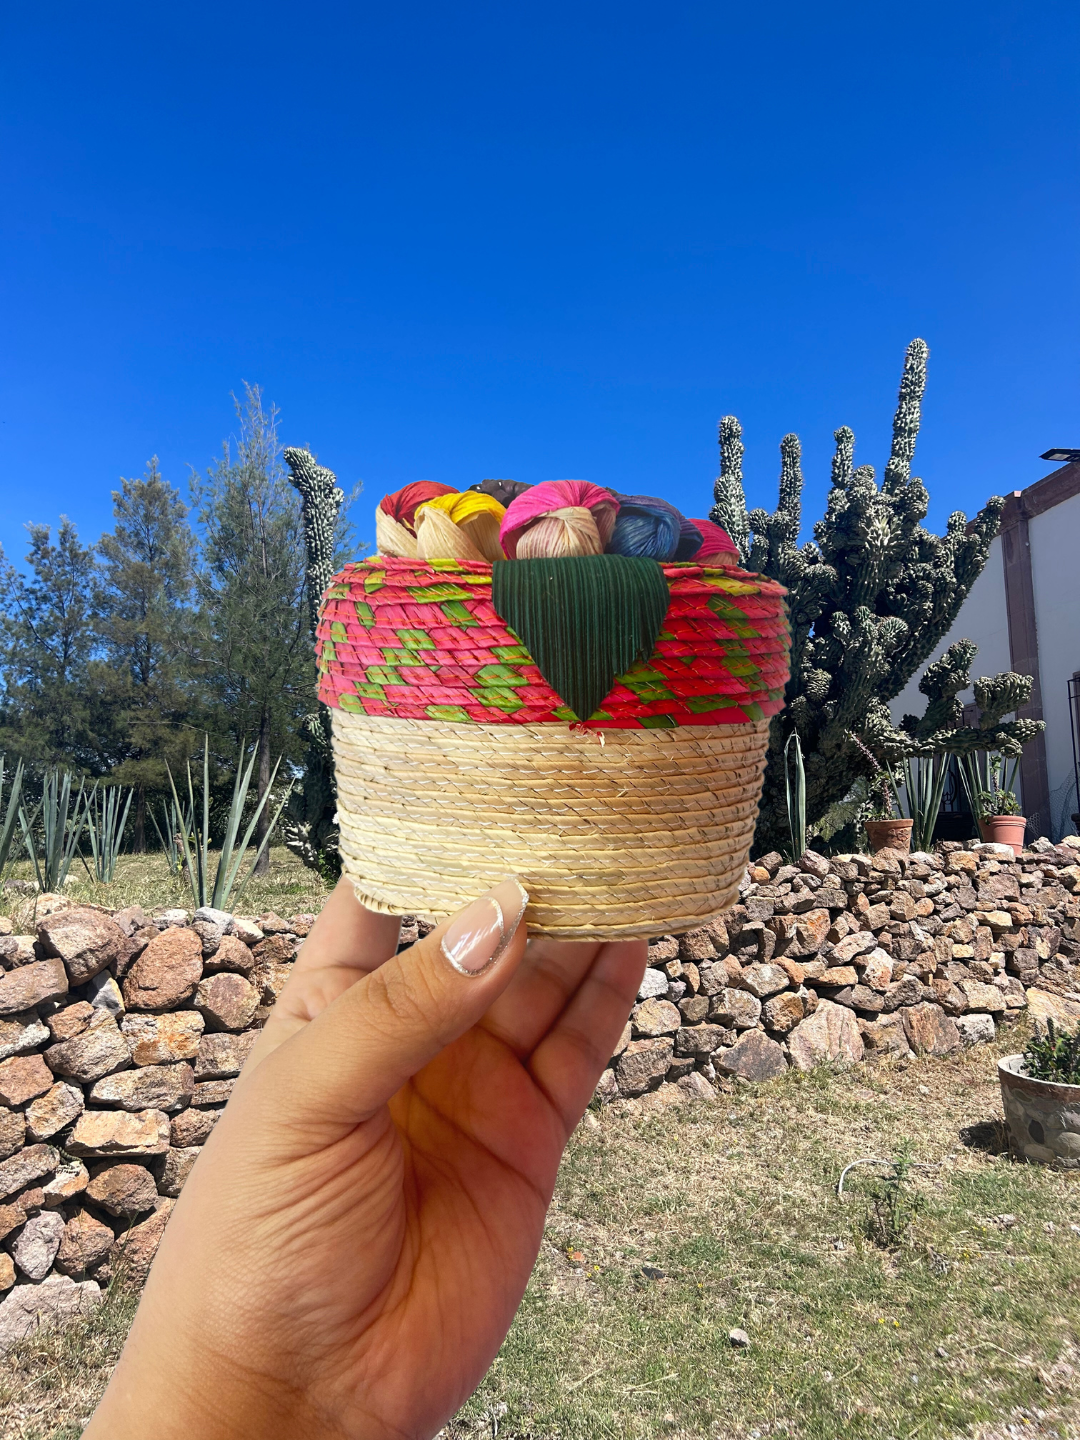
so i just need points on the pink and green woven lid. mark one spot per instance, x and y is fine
(421, 640)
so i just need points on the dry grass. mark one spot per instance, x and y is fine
(289, 887)
(964, 1327)
(50, 1382)
(969, 1322)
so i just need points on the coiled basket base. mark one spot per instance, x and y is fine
(615, 834)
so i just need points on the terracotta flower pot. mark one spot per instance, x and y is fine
(1043, 1117)
(1004, 830)
(888, 834)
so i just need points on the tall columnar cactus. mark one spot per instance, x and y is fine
(870, 596)
(310, 825)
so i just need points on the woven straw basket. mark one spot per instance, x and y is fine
(458, 765)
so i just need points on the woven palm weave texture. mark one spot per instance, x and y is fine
(458, 764)
(615, 834)
(421, 640)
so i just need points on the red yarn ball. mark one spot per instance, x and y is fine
(402, 504)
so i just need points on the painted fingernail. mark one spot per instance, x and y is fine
(476, 938)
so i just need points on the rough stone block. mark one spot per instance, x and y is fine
(98, 1051)
(929, 1030)
(830, 1034)
(50, 1113)
(178, 1165)
(150, 1087)
(85, 1243)
(27, 1306)
(32, 985)
(27, 1166)
(123, 1190)
(35, 1246)
(975, 1029)
(166, 973)
(226, 1001)
(643, 1064)
(753, 1057)
(160, 1039)
(120, 1132)
(21, 1033)
(23, 1078)
(85, 939)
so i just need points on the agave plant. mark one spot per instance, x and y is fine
(178, 824)
(796, 796)
(923, 779)
(59, 824)
(11, 812)
(196, 843)
(990, 783)
(107, 813)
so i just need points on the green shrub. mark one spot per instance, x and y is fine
(1054, 1055)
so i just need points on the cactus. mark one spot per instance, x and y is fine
(940, 730)
(870, 596)
(309, 823)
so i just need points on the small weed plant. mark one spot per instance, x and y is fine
(1053, 1055)
(893, 1204)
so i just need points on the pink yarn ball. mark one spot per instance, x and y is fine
(715, 542)
(531, 506)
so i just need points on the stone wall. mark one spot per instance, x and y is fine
(122, 1033)
(857, 957)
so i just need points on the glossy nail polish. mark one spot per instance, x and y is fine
(477, 936)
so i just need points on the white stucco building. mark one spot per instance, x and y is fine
(1024, 614)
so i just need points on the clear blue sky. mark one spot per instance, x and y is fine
(534, 241)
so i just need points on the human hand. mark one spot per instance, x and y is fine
(351, 1246)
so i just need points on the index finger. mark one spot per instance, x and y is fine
(346, 942)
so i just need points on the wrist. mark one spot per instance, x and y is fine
(184, 1395)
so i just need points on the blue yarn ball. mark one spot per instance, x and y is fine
(645, 526)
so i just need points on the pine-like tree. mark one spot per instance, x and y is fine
(253, 636)
(142, 617)
(870, 596)
(49, 709)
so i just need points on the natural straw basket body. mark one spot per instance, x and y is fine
(456, 764)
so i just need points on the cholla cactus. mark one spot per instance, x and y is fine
(310, 820)
(870, 596)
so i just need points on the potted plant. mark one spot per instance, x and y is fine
(886, 828)
(989, 780)
(1040, 1091)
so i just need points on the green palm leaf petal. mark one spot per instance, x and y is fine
(584, 618)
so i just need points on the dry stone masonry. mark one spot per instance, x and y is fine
(857, 957)
(122, 1033)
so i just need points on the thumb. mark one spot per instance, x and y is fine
(372, 1039)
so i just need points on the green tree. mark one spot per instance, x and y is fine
(253, 634)
(50, 714)
(142, 614)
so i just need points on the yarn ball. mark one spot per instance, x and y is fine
(402, 504)
(646, 526)
(460, 526)
(690, 538)
(502, 490)
(568, 531)
(395, 530)
(554, 504)
(715, 542)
